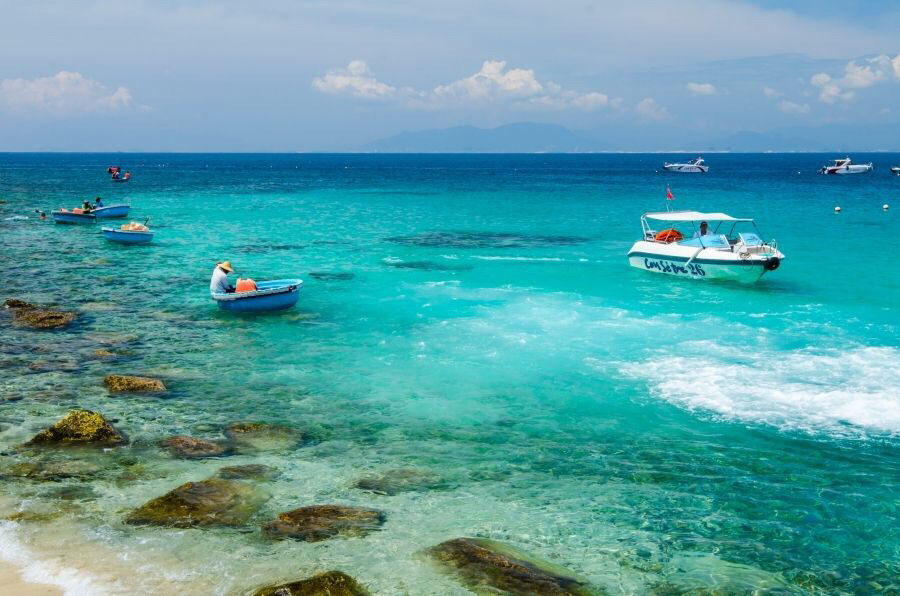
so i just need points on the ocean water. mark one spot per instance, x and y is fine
(473, 317)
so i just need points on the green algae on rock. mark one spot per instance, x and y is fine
(193, 448)
(80, 427)
(399, 480)
(488, 566)
(321, 522)
(212, 502)
(248, 471)
(330, 583)
(42, 318)
(132, 383)
(261, 436)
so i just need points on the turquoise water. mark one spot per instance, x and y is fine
(473, 317)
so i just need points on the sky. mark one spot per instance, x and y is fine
(334, 75)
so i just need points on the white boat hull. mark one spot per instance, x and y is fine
(852, 169)
(685, 168)
(684, 261)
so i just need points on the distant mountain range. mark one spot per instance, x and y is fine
(531, 137)
(520, 137)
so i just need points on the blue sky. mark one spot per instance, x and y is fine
(309, 75)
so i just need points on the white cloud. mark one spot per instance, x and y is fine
(491, 81)
(702, 88)
(856, 76)
(648, 108)
(494, 82)
(790, 107)
(356, 80)
(771, 93)
(64, 92)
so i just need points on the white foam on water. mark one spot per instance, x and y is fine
(848, 392)
(39, 571)
(14, 218)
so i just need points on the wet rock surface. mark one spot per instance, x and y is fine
(330, 583)
(193, 448)
(249, 472)
(399, 480)
(50, 471)
(261, 436)
(488, 566)
(132, 383)
(80, 427)
(33, 317)
(16, 303)
(321, 522)
(212, 502)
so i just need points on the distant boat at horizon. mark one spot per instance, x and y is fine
(845, 166)
(693, 166)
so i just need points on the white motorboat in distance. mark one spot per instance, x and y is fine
(845, 166)
(732, 248)
(895, 171)
(694, 165)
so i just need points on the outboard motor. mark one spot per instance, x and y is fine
(772, 264)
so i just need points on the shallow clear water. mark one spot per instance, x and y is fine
(647, 432)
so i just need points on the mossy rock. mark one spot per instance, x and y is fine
(42, 318)
(16, 303)
(487, 566)
(213, 502)
(399, 480)
(132, 383)
(80, 427)
(248, 472)
(261, 436)
(321, 522)
(193, 448)
(330, 583)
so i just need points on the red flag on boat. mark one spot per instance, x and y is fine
(669, 195)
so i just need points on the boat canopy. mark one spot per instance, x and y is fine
(691, 216)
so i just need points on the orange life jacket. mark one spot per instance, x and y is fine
(245, 285)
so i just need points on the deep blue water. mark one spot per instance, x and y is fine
(475, 317)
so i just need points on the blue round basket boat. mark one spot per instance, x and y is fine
(68, 217)
(277, 294)
(127, 236)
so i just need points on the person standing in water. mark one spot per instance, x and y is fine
(218, 284)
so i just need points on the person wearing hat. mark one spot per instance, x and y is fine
(703, 231)
(219, 282)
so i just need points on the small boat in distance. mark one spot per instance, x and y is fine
(694, 165)
(75, 216)
(120, 210)
(895, 171)
(132, 233)
(272, 295)
(845, 166)
(726, 248)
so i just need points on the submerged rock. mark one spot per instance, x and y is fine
(80, 427)
(213, 502)
(261, 436)
(490, 566)
(248, 471)
(321, 522)
(399, 480)
(191, 448)
(330, 583)
(16, 303)
(50, 471)
(42, 318)
(130, 383)
(329, 276)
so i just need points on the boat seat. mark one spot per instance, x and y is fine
(708, 241)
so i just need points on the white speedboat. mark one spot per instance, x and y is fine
(895, 171)
(731, 248)
(694, 165)
(845, 166)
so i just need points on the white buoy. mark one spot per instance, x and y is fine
(837, 209)
(885, 206)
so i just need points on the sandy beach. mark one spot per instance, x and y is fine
(11, 582)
